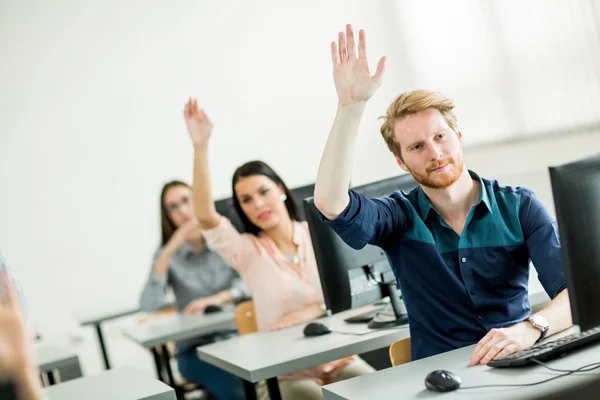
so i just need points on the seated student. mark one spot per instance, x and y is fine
(18, 374)
(274, 257)
(459, 245)
(199, 277)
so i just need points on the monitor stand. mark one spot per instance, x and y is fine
(394, 314)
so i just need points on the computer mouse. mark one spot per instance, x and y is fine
(442, 381)
(316, 329)
(212, 308)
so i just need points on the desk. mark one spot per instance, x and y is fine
(154, 334)
(107, 312)
(118, 384)
(266, 355)
(51, 359)
(407, 381)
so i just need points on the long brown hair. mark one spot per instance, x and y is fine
(167, 226)
(261, 168)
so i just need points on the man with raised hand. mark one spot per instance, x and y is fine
(459, 245)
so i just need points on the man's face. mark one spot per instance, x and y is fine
(431, 150)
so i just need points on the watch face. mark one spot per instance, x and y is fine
(539, 321)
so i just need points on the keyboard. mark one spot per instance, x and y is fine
(364, 317)
(549, 350)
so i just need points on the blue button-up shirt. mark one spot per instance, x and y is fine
(457, 288)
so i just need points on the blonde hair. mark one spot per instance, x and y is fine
(411, 103)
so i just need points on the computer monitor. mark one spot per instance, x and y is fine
(576, 191)
(300, 193)
(225, 208)
(352, 278)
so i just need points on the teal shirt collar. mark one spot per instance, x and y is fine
(425, 205)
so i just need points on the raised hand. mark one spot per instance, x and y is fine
(197, 122)
(353, 81)
(14, 346)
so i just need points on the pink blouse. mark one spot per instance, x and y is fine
(278, 286)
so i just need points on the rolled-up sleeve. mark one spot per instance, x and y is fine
(153, 294)
(543, 243)
(368, 221)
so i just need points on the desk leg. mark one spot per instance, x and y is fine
(51, 380)
(102, 345)
(166, 359)
(249, 390)
(157, 364)
(273, 388)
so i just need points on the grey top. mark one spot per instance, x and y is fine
(407, 381)
(192, 275)
(117, 384)
(264, 355)
(4, 268)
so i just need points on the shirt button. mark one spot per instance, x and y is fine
(464, 259)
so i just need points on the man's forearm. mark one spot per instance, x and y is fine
(333, 178)
(558, 313)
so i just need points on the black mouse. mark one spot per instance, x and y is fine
(316, 329)
(212, 308)
(442, 381)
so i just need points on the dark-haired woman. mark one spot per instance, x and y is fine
(274, 256)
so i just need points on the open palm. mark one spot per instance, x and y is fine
(353, 81)
(197, 122)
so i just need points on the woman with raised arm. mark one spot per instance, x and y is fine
(199, 278)
(274, 256)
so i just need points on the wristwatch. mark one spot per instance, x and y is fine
(236, 293)
(539, 323)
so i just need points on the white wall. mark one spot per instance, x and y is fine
(91, 126)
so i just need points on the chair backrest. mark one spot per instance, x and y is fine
(245, 318)
(400, 352)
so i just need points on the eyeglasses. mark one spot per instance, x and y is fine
(173, 207)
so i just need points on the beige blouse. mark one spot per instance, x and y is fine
(278, 286)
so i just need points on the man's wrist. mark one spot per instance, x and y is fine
(532, 331)
(538, 324)
(352, 109)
